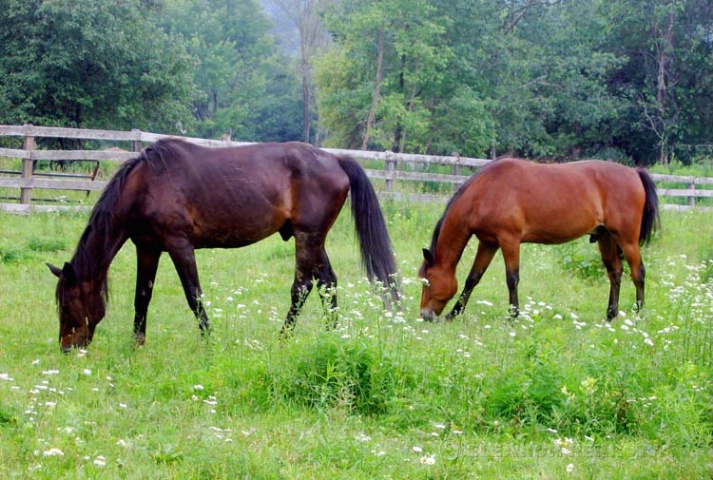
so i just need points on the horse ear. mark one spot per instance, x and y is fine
(69, 273)
(428, 256)
(55, 270)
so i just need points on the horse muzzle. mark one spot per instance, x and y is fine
(78, 338)
(428, 315)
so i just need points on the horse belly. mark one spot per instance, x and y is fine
(562, 221)
(236, 230)
(551, 237)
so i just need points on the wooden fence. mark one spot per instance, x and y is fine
(399, 168)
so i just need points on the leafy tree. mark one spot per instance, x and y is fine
(90, 63)
(538, 78)
(665, 81)
(375, 89)
(313, 39)
(243, 87)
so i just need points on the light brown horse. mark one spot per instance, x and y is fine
(512, 201)
(176, 197)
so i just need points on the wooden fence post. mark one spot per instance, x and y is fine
(28, 144)
(692, 186)
(136, 144)
(456, 166)
(390, 168)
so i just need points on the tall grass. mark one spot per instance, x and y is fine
(557, 393)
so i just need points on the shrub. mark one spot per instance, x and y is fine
(343, 373)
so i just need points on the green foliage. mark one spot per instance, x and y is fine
(415, 57)
(37, 244)
(34, 246)
(91, 64)
(345, 374)
(11, 255)
(197, 68)
(583, 260)
(528, 395)
(243, 86)
(562, 79)
(556, 393)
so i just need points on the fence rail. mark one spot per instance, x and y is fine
(399, 167)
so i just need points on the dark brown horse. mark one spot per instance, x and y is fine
(513, 201)
(176, 197)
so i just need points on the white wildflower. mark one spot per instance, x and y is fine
(53, 452)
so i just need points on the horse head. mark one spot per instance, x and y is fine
(81, 307)
(439, 286)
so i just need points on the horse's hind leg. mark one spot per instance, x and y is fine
(511, 255)
(184, 260)
(146, 266)
(610, 257)
(308, 255)
(301, 286)
(638, 272)
(483, 257)
(327, 285)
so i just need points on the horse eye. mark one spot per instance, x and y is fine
(425, 282)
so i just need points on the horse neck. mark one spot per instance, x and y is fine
(96, 250)
(452, 241)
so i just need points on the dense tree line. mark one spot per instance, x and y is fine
(539, 78)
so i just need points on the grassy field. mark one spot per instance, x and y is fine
(558, 393)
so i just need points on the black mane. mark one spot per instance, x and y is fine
(459, 192)
(91, 265)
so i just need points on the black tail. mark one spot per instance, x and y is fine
(376, 252)
(650, 220)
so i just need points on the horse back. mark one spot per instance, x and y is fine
(236, 196)
(553, 203)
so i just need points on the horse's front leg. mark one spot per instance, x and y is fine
(184, 260)
(146, 266)
(483, 257)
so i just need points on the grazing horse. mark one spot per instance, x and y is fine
(176, 197)
(512, 201)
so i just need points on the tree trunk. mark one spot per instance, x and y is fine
(306, 101)
(305, 14)
(377, 89)
(664, 45)
(398, 131)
